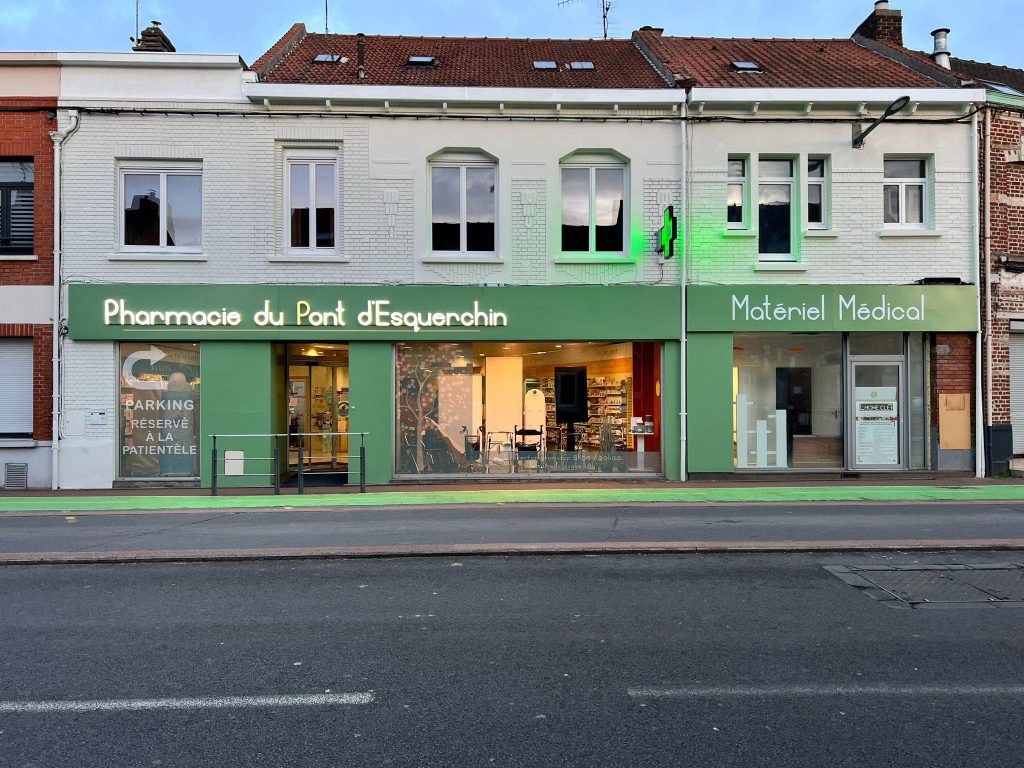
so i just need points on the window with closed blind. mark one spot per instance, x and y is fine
(17, 204)
(15, 388)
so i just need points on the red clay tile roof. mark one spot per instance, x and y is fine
(461, 62)
(993, 73)
(290, 38)
(832, 63)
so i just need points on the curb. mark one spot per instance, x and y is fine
(484, 550)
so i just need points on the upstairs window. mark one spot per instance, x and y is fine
(17, 207)
(817, 193)
(903, 193)
(162, 208)
(463, 206)
(312, 204)
(737, 193)
(775, 215)
(594, 208)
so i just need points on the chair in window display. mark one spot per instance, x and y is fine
(529, 446)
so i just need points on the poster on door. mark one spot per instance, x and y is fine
(876, 415)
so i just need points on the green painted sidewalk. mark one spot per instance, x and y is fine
(768, 494)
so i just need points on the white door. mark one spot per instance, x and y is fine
(877, 414)
(1017, 391)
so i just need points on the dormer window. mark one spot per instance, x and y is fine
(420, 61)
(747, 66)
(581, 65)
(544, 65)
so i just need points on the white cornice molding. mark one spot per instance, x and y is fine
(337, 94)
(835, 96)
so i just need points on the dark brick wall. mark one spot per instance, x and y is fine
(886, 26)
(952, 362)
(27, 134)
(25, 126)
(42, 389)
(1006, 208)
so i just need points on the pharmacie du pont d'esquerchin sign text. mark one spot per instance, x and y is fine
(378, 313)
(849, 307)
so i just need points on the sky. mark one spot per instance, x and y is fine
(250, 27)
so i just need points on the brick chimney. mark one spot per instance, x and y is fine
(884, 25)
(153, 40)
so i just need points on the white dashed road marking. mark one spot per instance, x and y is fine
(209, 702)
(765, 691)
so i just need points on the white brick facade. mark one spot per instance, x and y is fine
(857, 248)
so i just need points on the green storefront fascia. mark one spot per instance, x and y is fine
(243, 356)
(715, 312)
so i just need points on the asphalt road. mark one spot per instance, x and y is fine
(508, 524)
(502, 661)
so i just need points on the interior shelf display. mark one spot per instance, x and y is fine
(609, 401)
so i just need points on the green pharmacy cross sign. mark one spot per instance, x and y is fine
(668, 233)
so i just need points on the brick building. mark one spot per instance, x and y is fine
(1001, 158)
(832, 284)
(29, 86)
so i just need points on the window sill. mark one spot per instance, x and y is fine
(310, 258)
(461, 257)
(780, 266)
(594, 258)
(22, 442)
(909, 232)
(156, 256)
(820, 233)
(739, 233)
(18, 257)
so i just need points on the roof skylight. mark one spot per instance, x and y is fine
(332, 57)
(581, 65)
(747, 66)
(544, 65)
(421, 61)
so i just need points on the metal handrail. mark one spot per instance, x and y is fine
(276, 458)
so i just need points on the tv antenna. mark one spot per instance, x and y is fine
(326, 12)
(606, 9)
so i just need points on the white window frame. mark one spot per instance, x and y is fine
(311, 157)
(823, 182)
(163, 170)
(593, 163)
(792, 255)
(903, 183)
(744, 182)
(462, 163)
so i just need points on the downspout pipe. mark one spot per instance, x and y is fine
(684, 198)
(979, 420)
(986, 207)
(59, 138)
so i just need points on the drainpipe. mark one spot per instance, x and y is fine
(58, 139)
(979, 420)
(987, 251)
(684, 199)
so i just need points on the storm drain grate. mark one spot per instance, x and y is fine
(938, 586)
(15, 477)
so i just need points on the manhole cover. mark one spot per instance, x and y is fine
(926, 586)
